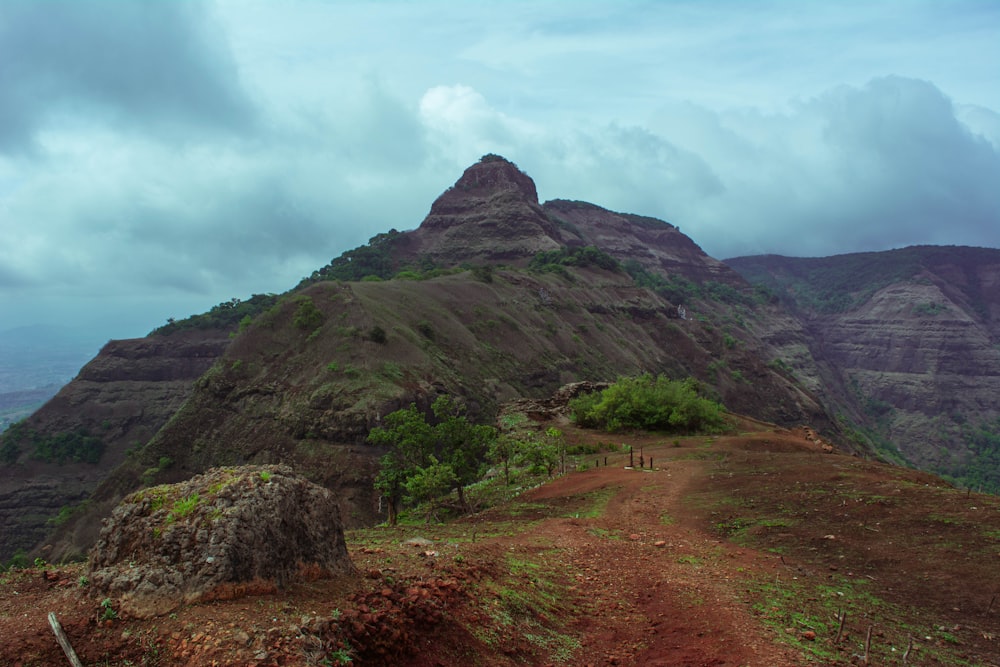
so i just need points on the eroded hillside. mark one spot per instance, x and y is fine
(913, 338)
(493, 297)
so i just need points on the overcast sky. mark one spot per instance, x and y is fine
(157, 158)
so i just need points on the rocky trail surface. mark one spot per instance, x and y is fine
(730, 551)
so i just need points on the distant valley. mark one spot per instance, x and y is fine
(35, 362)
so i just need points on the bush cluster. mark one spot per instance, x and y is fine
(226, 315)
(556, 261)
(68, 447)
(648, 403)
(307, 316)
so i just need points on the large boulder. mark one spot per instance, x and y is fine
(218, 535)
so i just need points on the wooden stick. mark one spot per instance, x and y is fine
(63, 641)
(840, 630)
(868, 645)
(990, 608)
(909, 646)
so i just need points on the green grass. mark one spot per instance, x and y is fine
(604, 534)
(595, 504)
(786, 603)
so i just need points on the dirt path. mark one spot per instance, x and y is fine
(659, 590)
(609, 566)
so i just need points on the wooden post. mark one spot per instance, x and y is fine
(631, 460)
(868, 646)
(63, 641)
(840, 630)
(650, 462)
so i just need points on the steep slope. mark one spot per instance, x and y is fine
(116, 403)
(557, 292)
(915, 336)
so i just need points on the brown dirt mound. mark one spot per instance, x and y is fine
(217, 536)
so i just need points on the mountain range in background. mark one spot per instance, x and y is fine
(497, 297)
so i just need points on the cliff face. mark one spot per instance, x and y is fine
(915, 337)
(490, 214)
(654, 244)
(122, 397)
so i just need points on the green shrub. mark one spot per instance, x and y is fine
(226, 315)
(307, 315)
(377, 335)
(425, 329)
(483, 273)
(648, 403)
(368, 262)
(9, 450)
(555, 261)
(67, 447)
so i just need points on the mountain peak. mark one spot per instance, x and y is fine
(491, 213)
(495, 174)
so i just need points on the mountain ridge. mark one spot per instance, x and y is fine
(915, 334)
(493, 297)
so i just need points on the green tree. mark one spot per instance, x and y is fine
(410, 441)
(422, 456)
(555, 439)
(503, 450)
(432, 481)
(463, 445)
(541, 454)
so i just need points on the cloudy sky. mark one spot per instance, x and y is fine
(157, 158)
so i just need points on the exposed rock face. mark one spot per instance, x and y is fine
(123, 396)
(490, 214)
(914, 338)
(657, 245)
(227, 531)
(554, 406)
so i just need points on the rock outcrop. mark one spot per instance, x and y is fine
(491, 214)
(217, 535)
